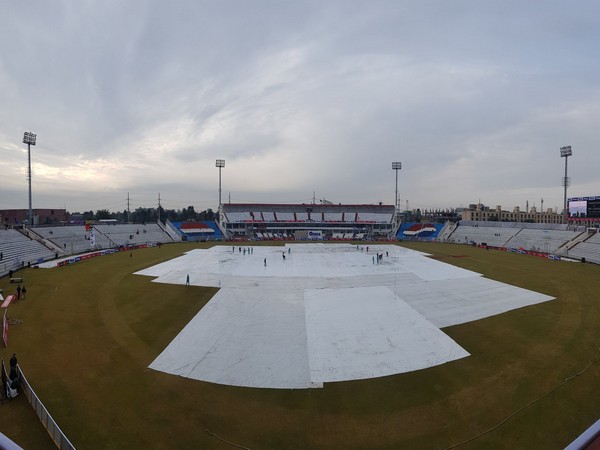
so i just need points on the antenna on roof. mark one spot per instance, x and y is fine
(159, 206)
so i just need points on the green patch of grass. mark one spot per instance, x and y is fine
(90, 330)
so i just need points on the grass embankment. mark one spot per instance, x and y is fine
(90, 330)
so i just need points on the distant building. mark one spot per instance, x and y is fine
(479, 212)
(439, 215)
(17, 217)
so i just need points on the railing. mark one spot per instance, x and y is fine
(49, 423)
(172, 231)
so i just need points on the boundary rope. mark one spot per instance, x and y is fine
(226, 441)
(565, 381)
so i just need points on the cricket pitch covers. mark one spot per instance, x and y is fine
(298, 316)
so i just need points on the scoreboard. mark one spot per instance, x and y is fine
(584, 208)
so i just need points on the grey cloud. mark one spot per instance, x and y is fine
(473, 97)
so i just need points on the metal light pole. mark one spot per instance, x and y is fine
(220, 164)
(29, 139)
(396, 166)
(565, 152)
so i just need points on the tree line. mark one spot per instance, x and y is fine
(145, 215)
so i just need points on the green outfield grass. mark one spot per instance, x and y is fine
(90, 330)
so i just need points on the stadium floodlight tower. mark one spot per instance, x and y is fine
(565, 152)
(396, 166)
(29, 139)
(220, 164)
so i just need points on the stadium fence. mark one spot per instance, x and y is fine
(59, 438)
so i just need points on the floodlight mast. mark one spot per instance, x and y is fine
(565, 152)
(220, 164)
(396, 166)
(29, 138)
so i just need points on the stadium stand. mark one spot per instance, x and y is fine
(548, 241)
(19, 250)
(238, 216)
(329, 222)
(447, 230)
(133, 234)
(559, 239)
(374, 217)
(333, 217)
(268, 216)
(75, 239)
(495, 236)
(72, 239)
(587, 250)
(285, 216)
(419, 231)
(198, 231)
(278, 221)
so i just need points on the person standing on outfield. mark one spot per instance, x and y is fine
(19, 292)
(187, 280)
(23, 292)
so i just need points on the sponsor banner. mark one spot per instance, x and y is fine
(90, 255)
(526, 252)
(5, 328)
(79, 258)
(315, 235)
(129, 247)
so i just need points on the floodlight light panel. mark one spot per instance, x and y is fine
(396, 165)
(566, 151)
(29, 138)
(220, 163)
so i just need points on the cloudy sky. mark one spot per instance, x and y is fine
(137, 98)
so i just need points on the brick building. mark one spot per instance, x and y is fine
(17, 217)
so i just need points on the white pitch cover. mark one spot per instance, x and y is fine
(302, 315)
